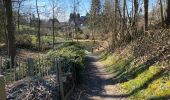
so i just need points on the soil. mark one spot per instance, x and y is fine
(97, 84)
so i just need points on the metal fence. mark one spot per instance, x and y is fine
(63, 69)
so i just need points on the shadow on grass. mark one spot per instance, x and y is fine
(126, 76)
(136, 90)
(167, 97)
(105, 56)
(94, 84)
(122, 69)
(145, 85)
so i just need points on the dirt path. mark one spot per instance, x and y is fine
(96, 83)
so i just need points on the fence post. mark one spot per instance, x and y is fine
(1, 65)
(60, 80)
(15, 62)
(74, 72)
(30, 67)
(2, 88)
(92, 50)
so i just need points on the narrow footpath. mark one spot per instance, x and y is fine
(96, 83)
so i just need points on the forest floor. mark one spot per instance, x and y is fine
(96, 84)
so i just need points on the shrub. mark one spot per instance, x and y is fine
(73, 53)
(24, 41)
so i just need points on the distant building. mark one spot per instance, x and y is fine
(77, 19)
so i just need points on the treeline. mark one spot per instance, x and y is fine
(122, 21)
(16, 15)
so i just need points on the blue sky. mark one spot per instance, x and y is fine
(66, 7)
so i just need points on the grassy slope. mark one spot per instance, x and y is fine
(137, 78)
(46, 38)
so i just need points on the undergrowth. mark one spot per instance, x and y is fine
(72, 52)
(138, 77)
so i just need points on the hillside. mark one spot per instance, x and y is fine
(140, 69)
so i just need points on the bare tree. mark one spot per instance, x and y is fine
(19, 9)
(168, 13)
(161, 10)
(39, 25)
(115, 14)
(114, 33)
(124, 15)
(10, 30)
(94, 15)
(135, 15)
(3, 22)
(53, 6)
(146, 2)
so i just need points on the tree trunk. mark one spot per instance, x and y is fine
(168, 13)
(4, 24)
(39, 39)
(146, 2)
(162, 16)
(124, 15)
(53, 27)
(115, 10)
(135, 25)
(10, 30)
(19, 6)
(135, 12)
(114, 33)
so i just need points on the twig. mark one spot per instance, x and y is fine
(80, 94)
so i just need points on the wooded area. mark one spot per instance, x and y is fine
(130, 38)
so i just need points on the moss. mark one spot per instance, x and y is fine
(140, 79)
(158, 88)
(137, 78)
(109, 60)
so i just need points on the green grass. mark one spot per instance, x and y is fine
(137, 80)
(109, 61)
(71, 52)
(88, 44)
(141, 81)
(159, 89)
(46, 39)
(25, 27)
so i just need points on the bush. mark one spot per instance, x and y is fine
(24, 41)
(73, 53)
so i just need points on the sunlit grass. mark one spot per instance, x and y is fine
(25, 27)
(46, 39)
(146, 84)
(156, 89)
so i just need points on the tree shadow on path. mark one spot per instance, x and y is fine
(94, 81)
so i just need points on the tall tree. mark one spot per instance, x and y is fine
(161, 9)
(39, 23)
(136, 6)
(146, 5)
(19, 8)
(168, 13)
(94, 15)
(53, 7)
(10, 30)
(114, 33)
(124, 16)
(2, 23)
(107, 16)
(115, 14)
